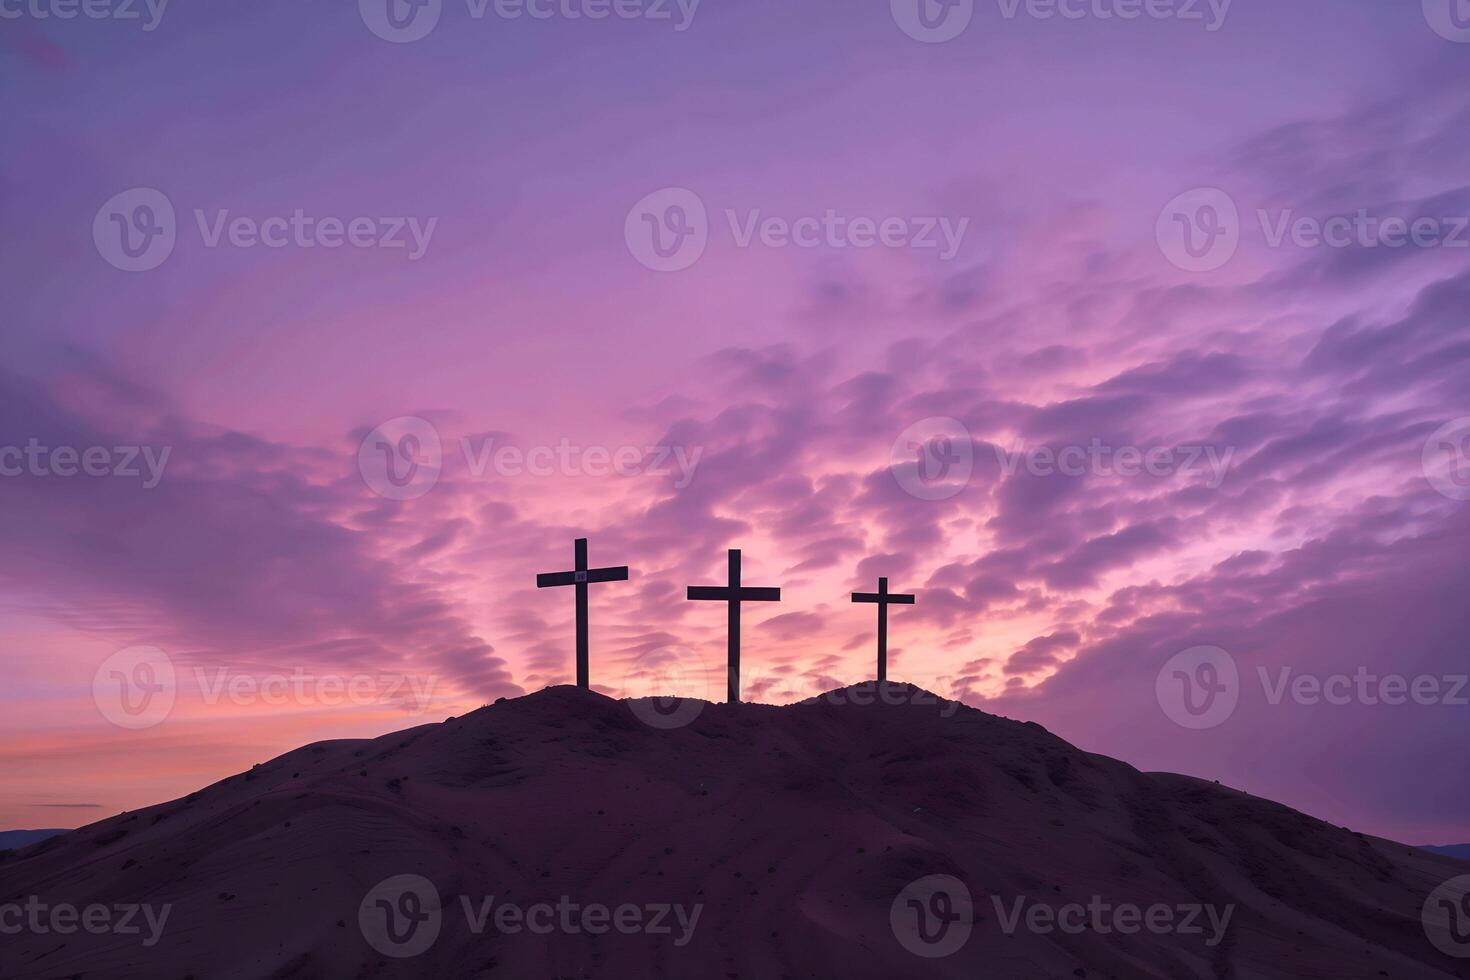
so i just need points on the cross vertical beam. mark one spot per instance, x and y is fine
(581, 576)
(584, 667)
(734, 594)
(732, 628)
(884, 599)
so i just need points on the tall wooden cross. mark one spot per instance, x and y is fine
(734, 594)
(581, 577)
(884, 599)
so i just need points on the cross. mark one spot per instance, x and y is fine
(734, 594)
(581, 577)
(884, 599)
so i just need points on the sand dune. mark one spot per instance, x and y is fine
(825, 839)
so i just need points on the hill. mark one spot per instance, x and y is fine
(563, 835)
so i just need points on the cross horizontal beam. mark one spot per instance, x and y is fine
(548, 580)
(897, 598)
(722, 593)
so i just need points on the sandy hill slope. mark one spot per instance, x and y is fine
(828, 839)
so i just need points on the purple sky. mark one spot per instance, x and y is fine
(1301, 512)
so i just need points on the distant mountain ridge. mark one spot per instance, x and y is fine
(11, 839)
(1461, 851)
(845, 836)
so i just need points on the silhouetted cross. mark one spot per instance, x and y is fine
(884, 599)
(734, 594)
(581, 577)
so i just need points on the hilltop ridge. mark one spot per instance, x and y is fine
(798, 831)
